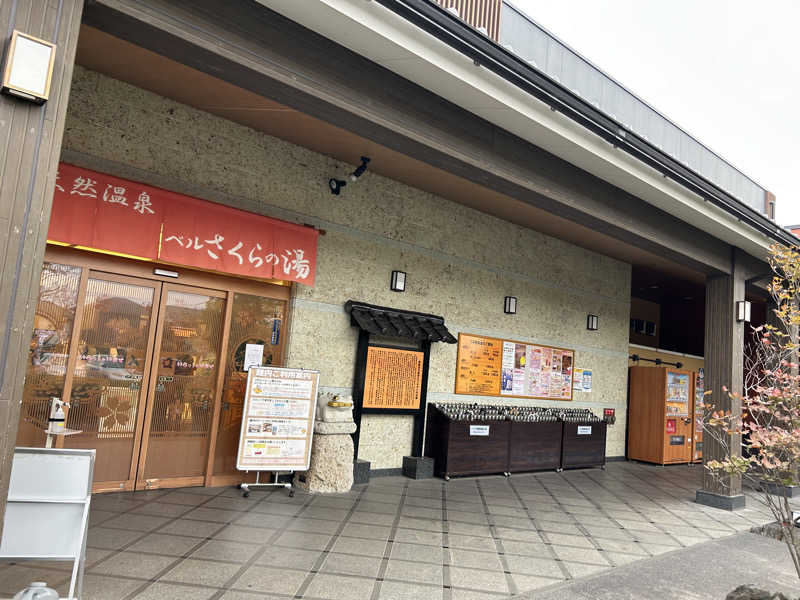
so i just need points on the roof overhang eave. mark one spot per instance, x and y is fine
(423, 44)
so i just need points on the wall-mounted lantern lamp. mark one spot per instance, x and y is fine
(591, 322)
(28, 68)
(398, 282)
(510, 305)
(743, 311)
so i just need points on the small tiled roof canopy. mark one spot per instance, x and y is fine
(381, 320)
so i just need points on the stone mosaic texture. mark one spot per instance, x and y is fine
(460, 262)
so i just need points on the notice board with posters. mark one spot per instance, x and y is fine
(278, 419)
(489, 366)
(393, 379)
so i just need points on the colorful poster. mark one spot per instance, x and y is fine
(492, 367)
(479, 368)
(587, 380)
(577, 380)
(278, 419)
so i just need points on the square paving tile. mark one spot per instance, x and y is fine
(111, 539)
(101, 587)
(395, 590)
(358, 546)
(424, 524)
(161, 509)
(136, 522)
(493, 581)
(225, 550)
(338, 587)
(160, 591)
(580, 555)
(190, 528)
(469, 529)
(418, 572)
(347, 564)
(369, 518)
(159, 543)
(473, 559)
(569, 540)
(526, 583)
(133, 564)
(370, 532)
(627, 546)
(213, 514)
(583, 569)
(181, 497)
(294, 558)
(417, 536)
(236, 533)
(259, 578)
(377, 507)
(300, 539)
(472, 542)
(528, 565)
(202, 572)
(418, 552)
(313, 525)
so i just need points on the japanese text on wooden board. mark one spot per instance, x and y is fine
(393, 379)
(496, 367)
(95, 210)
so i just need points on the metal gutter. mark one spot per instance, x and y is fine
(486, 53)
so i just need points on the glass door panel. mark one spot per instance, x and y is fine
(49, 350)
(178, 423)
(109, 378)
(254, 320)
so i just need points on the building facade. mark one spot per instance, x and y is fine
(478, 188)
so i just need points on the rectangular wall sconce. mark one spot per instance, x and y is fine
(165, 273)
(591, 322)
(28, 69)
(398, 283)
(510, 305)
(743, 311)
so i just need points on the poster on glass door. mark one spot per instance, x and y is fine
(278, 419)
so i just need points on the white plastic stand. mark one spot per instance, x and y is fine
(245, 487)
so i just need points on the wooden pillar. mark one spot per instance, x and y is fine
(724, 357)
(30, 145)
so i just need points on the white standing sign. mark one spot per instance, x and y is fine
(47, 512)
(278, 420)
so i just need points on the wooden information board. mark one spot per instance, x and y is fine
(489, 366)
(393, 379)
(278, 419)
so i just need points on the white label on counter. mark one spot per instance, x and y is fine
(584, 429)
(479, 430)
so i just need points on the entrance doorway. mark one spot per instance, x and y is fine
(150, 368)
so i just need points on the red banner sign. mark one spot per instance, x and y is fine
(99, 211)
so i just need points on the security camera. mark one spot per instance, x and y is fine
(336, 185)
(360, 169)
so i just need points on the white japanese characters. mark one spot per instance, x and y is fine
(112, 194)
(291, 261)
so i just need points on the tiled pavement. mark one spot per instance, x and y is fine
(395, 538)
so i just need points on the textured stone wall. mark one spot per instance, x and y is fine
(460, 262)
